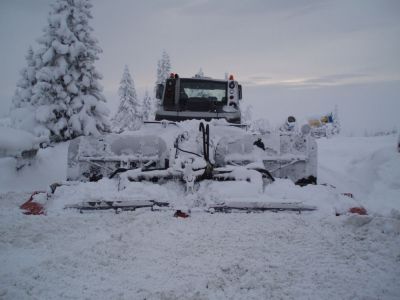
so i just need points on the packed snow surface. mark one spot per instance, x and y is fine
(151, 255)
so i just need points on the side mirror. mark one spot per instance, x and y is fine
(159, 91)
(240, 91)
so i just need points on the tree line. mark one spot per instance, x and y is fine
(58, 95)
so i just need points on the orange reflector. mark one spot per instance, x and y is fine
(31, 207)
(358, 210)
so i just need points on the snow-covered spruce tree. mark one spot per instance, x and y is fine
(22, 112)
(67, 96)
(129, 114)
(336, 121)
(23, 92)
(163, 72)
(148, 107)
(199, 74)
(163, 69)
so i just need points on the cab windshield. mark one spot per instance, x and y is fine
(200, 90)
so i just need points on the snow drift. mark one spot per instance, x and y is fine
(144, 254)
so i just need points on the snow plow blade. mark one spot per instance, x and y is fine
(117, 205)
(261, 206)
(92, 158)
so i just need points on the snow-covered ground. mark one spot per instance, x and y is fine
(151, 255)
(367, 167)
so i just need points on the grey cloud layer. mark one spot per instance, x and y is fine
(302, 43)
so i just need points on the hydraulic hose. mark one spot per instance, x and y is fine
(206, 141)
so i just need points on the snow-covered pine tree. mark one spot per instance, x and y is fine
(199, 74)
(67, 96)
(163, 69)
(22, 113)
(23, 92)
(148, 107)
(163, 72)
(336, 121)
(129, 114)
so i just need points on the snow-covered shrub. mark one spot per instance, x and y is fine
(261, 125)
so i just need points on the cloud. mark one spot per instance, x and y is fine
(320, 81)
(259, 78)
(335, 79)
(231, 8)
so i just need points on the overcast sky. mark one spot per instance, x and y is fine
(293, 57)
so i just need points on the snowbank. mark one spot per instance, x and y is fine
(5, 122)
(49, 166)
(367, 167)
(14, 141)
